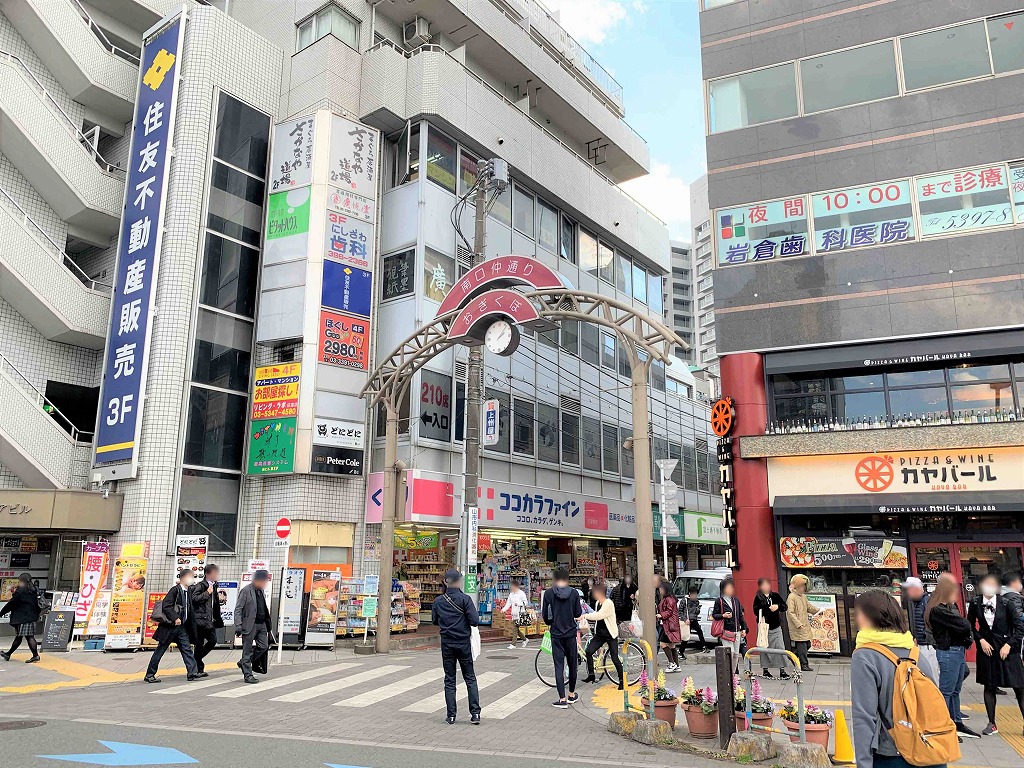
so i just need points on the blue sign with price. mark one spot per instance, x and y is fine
(138, 249)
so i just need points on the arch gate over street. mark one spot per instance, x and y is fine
(499, 295)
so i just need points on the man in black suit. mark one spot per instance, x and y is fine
(252, 622)
(172, 628)
(206, 618)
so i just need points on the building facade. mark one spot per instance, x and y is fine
(679, 298)
(705, 351)
(865, 188)
(178, 387)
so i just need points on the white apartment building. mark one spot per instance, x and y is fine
(705, 350)
(679, 298)
(445, 84)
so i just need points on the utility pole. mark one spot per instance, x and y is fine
(642, 491)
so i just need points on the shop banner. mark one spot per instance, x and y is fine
(227, 595)
(291, 600)
(151, 626)
(330, 460)
(824, 624)
(127, 603)
(100, 614)
(813, 552)
(191, 553)
(275, 392)
(347, 289)
(260, 565)
(416, 540)
(322, 610)
(344, 340)
(505, 505)
(340, 434)
(272, 446)
(898, 472)
(349, 241)
(95, 557)
(291, 159)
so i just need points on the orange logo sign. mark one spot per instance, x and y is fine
(722, 414)
(874, 473)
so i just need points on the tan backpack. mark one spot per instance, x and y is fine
(922, 729)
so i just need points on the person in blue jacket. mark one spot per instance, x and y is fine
(455, 614)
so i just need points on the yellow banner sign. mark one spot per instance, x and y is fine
(276, 391)
(127, 603)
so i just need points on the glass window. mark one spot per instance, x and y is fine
(627, 456)
(547, 433)
(568, 239)
(622, 272)
(591, 444)
(501, 209)
(588, 252)
(304, 34)
(522, 211)
(440, 159)
(606, 263)
(503, 420)
(590, 348)
(912, 378)
(223, 351)
(547, 227)
(438, 275)
(229, 276)
(675, 452)
(610, 448)
(639, 283)
(548, 338)
(522, 427)
(342, 26)
(571, 336)
(655, 294)
(970, 373)
(702, 470)
(859, 405)
(216, 428)
(787, 408)
(570, 438)
(689, 468)
(625, 369)
(848, 77)
(208, 504)
(945, 55)
(658, 375)
(242, 135)
(785, 385)
(236, 204)
(961, 201)
(608, 351)
(846, 383)
(918, 401)
(467, 172)
(1006, 39)
(983, 395)
(414, 154)
(399, 275)
(756, 97)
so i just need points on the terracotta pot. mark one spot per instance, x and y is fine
(663, 710)
(701, 726)
(816, 734)
(759, 718)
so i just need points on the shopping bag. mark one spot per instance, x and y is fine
(261, 662)
(684, 632)
(636, 625)
(762, 632)
(545, 643)
(474, 642)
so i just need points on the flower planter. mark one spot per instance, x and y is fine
(760, 718)
(663, 710)
(816, 733)
(702, 726)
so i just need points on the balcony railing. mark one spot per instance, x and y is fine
(102, 36)
(63, 422)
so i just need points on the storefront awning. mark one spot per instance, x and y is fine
(977, 502)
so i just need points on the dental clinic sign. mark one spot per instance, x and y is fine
(138, 252)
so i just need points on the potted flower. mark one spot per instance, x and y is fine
(817, 723)
(700, 706)
(762, 711)
(665, 699)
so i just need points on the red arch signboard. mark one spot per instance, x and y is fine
(491, 305)
(502, 272)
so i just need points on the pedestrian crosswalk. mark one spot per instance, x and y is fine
(370, 685)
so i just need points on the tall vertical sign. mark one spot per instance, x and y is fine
(127, 603)
(119, 422)
(95, 556)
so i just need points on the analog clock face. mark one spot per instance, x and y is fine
(499, 337)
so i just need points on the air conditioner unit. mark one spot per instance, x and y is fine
(416, 32)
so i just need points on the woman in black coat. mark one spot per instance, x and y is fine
(24, 610)
(999, 630)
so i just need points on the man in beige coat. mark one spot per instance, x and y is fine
(798, 613)
(606, 632)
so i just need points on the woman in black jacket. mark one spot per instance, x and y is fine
(951, 634)
(24, 610)
(770, 606)
(999, 631)
(729, 610)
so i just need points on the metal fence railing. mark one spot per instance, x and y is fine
(102, 36)
(25, 384)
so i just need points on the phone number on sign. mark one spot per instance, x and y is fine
(553, 522)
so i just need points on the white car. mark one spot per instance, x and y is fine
(708, 583)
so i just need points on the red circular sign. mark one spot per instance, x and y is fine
(722, 416)
(284, 528)
(874, 473)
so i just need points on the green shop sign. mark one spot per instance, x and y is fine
(272, 446)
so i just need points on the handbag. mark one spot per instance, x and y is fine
(718, 628)
(158, 616)
(762, 632)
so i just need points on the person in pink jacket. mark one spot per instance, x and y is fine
(670, 635)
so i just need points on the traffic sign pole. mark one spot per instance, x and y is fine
(665, 466)
(284, 532)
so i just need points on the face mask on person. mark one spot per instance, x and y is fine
(988, 590)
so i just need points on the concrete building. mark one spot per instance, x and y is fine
(865, 180)
(445, 84)
(705, 350)
(679, 297)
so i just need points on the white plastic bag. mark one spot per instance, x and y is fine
(474, 642)
(635, 625)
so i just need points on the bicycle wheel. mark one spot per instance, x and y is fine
(634, 664)
(545, 669)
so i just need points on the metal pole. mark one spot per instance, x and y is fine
(642, 493)
(662, 504)
(474, 371)
(387, 527)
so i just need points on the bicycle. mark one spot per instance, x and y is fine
(633, 663)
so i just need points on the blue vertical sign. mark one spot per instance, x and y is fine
(138, 250)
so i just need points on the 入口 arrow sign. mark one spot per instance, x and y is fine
(128, 754)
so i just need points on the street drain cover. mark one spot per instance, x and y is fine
(502, 657)
(20, 725)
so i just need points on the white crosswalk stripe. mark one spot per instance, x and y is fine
(268, 683)
(436, 702)
(339, 684)
(210, 682)
(516, 700)
(392, 691)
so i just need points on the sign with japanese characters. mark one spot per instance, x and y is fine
(353, 157)
(127, 603)
(1017, 190)
(332, 460)
(704, 527)
(286, 236)
(341, 434)
(291, 159)
(967, 470)
(292, 586)
(95, 559)
(276, 391)
(191, 553)
(849, 552)
(399, 275)
(271, 446)
(962, 201)
(138, 250)
(435, 406)
(762, 231)
(322, 609)
(349, 240)
(346, 288)
(344, 340)
(863, 216)
(352, 205)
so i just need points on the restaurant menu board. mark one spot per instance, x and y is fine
(291, 601)
(863, 216)
(814, 552)
(824, 624)
(762, 231)
(127, 603)
(191, 553)
(963, 201)
(57, 629)
(322, 611)
(151, 601)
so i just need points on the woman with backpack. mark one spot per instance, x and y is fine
(951, 634)
(882, 642)
(999, 630)
(25, 612)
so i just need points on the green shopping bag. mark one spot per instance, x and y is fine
(545, 644)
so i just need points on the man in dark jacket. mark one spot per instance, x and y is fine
(252, 622)
(561, 609)
(206, 618)
(177, 614)
(693, 616)
(622, 598)
(917, 603)
(455, 614)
